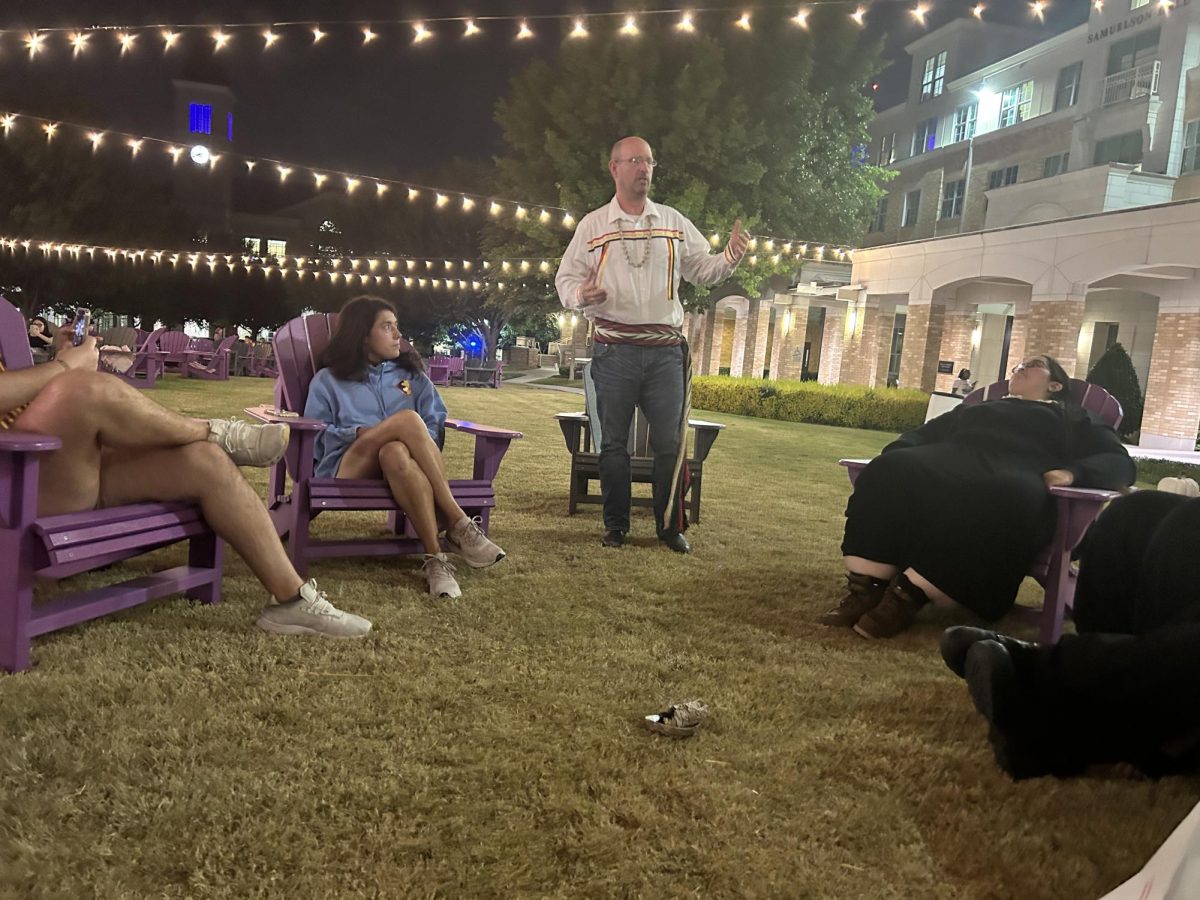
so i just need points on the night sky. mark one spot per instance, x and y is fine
(390, 109)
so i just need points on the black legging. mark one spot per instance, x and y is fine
(1127, 687)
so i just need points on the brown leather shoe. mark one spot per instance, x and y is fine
(862, 595)
(893, 614)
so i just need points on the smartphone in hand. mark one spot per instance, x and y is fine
(80, 325)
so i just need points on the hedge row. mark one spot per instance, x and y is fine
(848, 405)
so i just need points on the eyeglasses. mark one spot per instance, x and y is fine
(1031, 364)
(635, 161)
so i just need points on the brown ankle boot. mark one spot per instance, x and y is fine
(862, 595)
(894, 613)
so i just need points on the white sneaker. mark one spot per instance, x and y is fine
(248, 444)
(468, 541)
(440, 576)
(312, 614)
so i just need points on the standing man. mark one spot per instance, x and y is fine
(622, 269)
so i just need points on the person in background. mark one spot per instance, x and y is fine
(385, 420)
(40, 337)
(963, 385)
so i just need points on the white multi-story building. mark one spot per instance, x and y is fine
(1044, 200)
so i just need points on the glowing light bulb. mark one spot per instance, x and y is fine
(685, 23)
(744, 22)
(33, 42)
(421, 33)
(51, 129)
(470, 28)
(319, 178)
(220, 39)
(250, 164)
(135, 146)
(1038, 9)
(79, 42)
(175, 152)
(544, 216)
(580, 30)
(368, 35)
(523, 32)
(127, 41)
(919, 11)
(380, 189)
(800, 19)
(413, 193)
(284, 172)
(351, 184)
(858, 15)
(269, 37)
(630, 26)
(467, 204)
(318, 34)
(441, 201)
(96, 137)
(494, 208)
(978, 10)
(568, 220)
(521, 212)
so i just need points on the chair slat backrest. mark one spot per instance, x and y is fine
(1091, 397)
(15, 352)
(173, 341)
(121, 336)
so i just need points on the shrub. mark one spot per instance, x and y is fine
(848, 405)
(1115, 373)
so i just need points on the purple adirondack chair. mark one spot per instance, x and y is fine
(297, 346)
(1076, 509)
(143, 369)
(211, 365)
(174, 346)
(439, 370)
(54, 547)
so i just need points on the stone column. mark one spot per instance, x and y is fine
(832, 342)
(860, 356)
(791, 331)
(716, 342)
(1054, 323)
(922, 342)
(758, 323)
(956, 346)
(1172, 408)
(737, 360)
(702, 348)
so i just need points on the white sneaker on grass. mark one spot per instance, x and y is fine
(248, 444)
(439, 575)
(468, 540)
(312, 613)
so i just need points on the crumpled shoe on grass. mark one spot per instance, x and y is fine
(680, 720)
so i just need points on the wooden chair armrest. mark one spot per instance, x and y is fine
(573, 425)
(706, 434)
(700, 423)
(851, 463)
(28, 442)
(478, 430)
(270, 416)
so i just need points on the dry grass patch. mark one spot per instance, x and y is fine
(488, 746)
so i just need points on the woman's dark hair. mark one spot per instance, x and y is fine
(41, 319)
(346, 354)
(964, 374)
(1059, 374)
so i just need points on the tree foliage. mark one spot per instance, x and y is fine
(1115, 373)
(760, 126)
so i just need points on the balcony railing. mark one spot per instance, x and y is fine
(1132, 83)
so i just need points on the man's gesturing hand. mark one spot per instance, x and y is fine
(738, 241)
(590, 292)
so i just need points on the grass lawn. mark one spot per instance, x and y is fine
(489, 745)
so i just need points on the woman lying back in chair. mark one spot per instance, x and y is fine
(385, 420)
(958, 509)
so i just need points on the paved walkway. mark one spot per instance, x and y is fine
(1187, 457)
(529, 376)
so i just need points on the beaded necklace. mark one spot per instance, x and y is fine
(645, 250)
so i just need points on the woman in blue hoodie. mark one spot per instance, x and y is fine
(385, 420)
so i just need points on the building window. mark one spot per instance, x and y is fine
(998, 178)
(887, 149)
(1133, 52)
(1191, 138)
(880, 221)
(276, 248)
(252, 245)
(1123, 148)
(1055, 165)
(964, 122)
(952, 198)
(925, 137)
(200, 118)
(1016, 104)
(933, 78)
(1137, 4)
(1066, 93)
(912, 206)
(229, 126)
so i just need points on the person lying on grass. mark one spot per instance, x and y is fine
(958, 509)
(120, 447)
(385, 420)
(1121, 690)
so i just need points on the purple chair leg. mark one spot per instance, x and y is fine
(16, 606)
(207, 551)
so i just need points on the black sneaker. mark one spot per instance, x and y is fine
(613, 539)
(957, 642)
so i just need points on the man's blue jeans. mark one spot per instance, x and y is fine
(651, 378)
